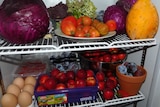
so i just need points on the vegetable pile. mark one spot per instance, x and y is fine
(80, 8)
(85, 27)
(118, 14)
(23, 21)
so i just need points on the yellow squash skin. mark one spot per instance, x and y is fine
(142, 20)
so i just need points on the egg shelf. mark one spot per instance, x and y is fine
(59, 44)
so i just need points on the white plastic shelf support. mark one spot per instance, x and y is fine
(57, 44)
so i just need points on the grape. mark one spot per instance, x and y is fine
(133, 67)
(60, 67)
(100, 15)
(122, 69)
(130, 74)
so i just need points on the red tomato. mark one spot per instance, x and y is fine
(86, 20)
(93, 32)
(112, 25)
(86, 28)
(79, 27)
(79, 21)
(71, 19)
(79, 33)
(68, 28)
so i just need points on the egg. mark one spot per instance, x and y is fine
(30, 80)
(19, 81)
(29, 88)
(13, 89)
(24, 99)
(9, 100)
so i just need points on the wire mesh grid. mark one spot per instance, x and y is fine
(59, 44)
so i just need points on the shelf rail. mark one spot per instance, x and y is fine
(58, 44)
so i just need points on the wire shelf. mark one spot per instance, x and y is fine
(100, 102)
(59, 44)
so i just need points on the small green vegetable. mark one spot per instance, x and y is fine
(80, 8)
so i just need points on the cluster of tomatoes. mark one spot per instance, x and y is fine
(86, 27)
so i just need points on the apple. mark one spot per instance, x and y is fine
(61, 77)
(101, 59)
(108, 94)
(122, 93)
(107, 58)
(113, 50)
(90, 73)
(60, 86)
(91, 81)
(114, 58)
(114, 79)
(80, 83)
(110, 84)
(50, 83)
(100, 76)
(109, 73)
(81, 74)
(40, 88)
(55, 72)
(71, 84)
(121, 56)
(70, 75)
(101, 85)
(43, 78)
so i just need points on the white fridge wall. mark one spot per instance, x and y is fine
(149, 88)
(154, 95)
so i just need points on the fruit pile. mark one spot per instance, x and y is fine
(57, 80)
(84, 26)
(110, 55)
(107, 82)
(130, 69)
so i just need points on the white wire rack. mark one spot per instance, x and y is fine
(100, 102)
(58, 44)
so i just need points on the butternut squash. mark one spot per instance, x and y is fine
(142, 21)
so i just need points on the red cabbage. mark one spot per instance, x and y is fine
(23, 21)
(118, 14)
(126, 4)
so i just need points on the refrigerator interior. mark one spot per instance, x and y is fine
(152, 61)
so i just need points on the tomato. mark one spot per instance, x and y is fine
(79, 21)
(102, 28)
(68, 28)
(86, 28)
(79, 33)
(112, 25)
(86, 20)
(79, 27)
(71, 19)
(95, 22)
(93, 32)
